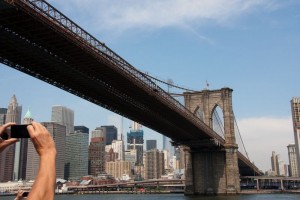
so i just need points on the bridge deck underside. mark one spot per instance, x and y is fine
(37, 46)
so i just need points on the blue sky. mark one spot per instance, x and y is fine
(251, 46)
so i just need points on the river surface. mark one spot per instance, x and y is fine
(170, 197)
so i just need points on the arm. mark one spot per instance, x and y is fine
(5, 143)
(44, 185)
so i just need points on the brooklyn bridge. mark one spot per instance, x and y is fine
(39, 40)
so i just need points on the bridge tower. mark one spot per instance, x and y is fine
(211, 169)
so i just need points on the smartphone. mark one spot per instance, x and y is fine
(25, 194)
(19, 131)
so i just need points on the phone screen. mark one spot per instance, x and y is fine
(19, 131)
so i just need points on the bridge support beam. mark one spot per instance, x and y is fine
(212, 172)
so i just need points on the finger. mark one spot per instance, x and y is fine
(31, 130)
(8, 142)
(5, 126)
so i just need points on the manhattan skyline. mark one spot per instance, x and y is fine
(250, 46)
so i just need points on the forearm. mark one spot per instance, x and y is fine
(44, 185)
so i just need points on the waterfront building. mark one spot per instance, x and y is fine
(135, 140)
(118, 168)
(153, 164)
(97, 152)
(295, 106)
(8, 168)
(293, 167)
(111, 133)
(151, 144)
(118, 147)
(64, 116)
(77, 143)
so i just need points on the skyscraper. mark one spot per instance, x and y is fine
(3, 112)
(118, 147)
(64, 116)
(24, 149)
(97, 152)
(274, 163)
(295, 106)
(7, 166)
(153, 164)
(135, 140)
(77, 153)
(150, 144)
(293, 168)
(58, 133)
(111, 133)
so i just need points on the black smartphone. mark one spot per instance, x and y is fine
(25, 194)
(19, 131)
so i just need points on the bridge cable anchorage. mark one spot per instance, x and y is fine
(240, 136)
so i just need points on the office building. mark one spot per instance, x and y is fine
(3, 112)
(274, 162)
(58, 133)
(135, 140)
(153, 164)
(167, 145)
(293, 167)
(8, 169)
(63, 116)
(97, 152)
(118, 147)
(131, 156)
(111, 133)
(22, 160)
(295, 107)
(76, 159)
(118, 168)
(150, 144)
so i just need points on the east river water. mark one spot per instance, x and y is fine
(170, 197)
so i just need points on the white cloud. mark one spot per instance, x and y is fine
(122, 15)
(264, 135)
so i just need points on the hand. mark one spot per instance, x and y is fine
(5, 143)
(19, 195)
(41, 139)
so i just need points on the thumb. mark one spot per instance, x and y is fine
(8, 142)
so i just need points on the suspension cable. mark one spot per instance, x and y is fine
(169, 84)
(240, 136)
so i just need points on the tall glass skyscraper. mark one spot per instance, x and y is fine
(77, 144)
(64, 116)
(295, 105)
(111, 133)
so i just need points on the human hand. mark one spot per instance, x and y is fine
(19, 195)
(41, 139)
(5, 143)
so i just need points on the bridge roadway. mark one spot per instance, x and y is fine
(38, 40)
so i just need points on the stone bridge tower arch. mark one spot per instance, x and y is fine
(203, 104)
(218, 168)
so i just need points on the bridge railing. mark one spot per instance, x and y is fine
(58, 20)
